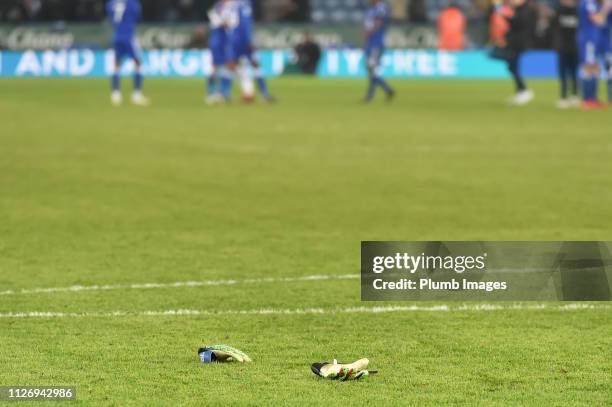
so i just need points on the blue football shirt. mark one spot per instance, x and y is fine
(124, 15)
(376, 13)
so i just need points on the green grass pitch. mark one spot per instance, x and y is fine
(95, 195)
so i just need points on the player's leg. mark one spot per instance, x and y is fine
(227, 74)
(563, 78)
(373, 59)
(523, 95)
(513, 67)
(562, 68)
(116, 98)
(228, 70)
(371, 64)
(389, 91)
(604, 53)
(247, 86)
(589, 74)
(213, 91)
(608, 67)
(260, 78)
(573, 63)
(243, 74)
(137, 96)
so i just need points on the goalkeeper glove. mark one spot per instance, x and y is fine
(343, 372)
(222, 354)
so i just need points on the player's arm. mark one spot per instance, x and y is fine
(137, 10)
(598, 17)
(378, 22)
(231, 19)
(214, 18)
(110, 12)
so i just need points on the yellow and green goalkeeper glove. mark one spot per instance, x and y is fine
(343, 372)
(222, 354)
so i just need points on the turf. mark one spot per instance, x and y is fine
(91, 194)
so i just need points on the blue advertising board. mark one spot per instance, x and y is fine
(341, 63)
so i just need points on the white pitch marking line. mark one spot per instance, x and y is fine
(179, 284)
(311, 311)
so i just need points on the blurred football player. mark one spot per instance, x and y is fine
(376, 22)
(244, 52)
(516, 43)
(565, 29)
(223, 20)
(592, 15)
(124, 15)
(607, 49)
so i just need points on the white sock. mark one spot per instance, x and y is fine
(246, 81)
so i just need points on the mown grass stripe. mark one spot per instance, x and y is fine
(178, 284)
(312, 311)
